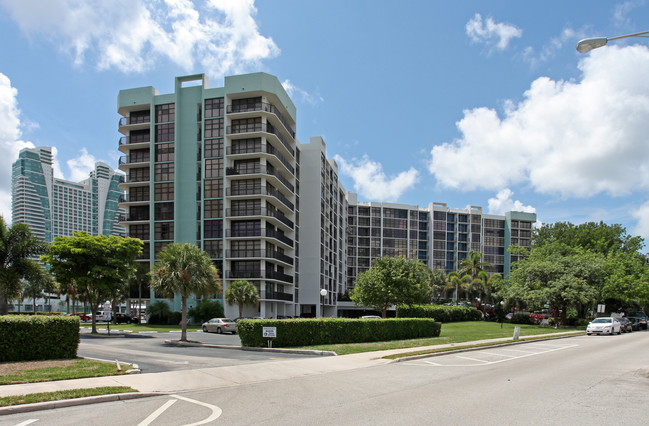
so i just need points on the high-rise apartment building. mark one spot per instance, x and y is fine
(217, 167)
(55, 207)
(221, 168)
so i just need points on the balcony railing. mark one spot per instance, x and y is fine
(260, 211)
(274, 275)
(136, 179)
(258, 274)
(259, 169)
(129, 217)
(262, 106)
(140, 119)
(260, 127)
(128, 198)
(260, 190)
(126, 140)
(131, 159)
(263, 232)
(276, 295)
(266, 254)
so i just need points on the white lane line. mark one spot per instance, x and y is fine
(518, 350)
(472, 359)
(216, 411)
(432, 363)
(157, 413)
(497, 354)
(27, 422)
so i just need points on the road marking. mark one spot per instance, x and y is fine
(481, 362)
(157, 413)
(164, 361)
(27, 422)
(216, 411)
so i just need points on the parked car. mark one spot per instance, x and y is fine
(626, 325)
(604, 325)
(371, 317)
(121, 318)
(641, 316)
(81, 315)
(220, 325)
(635, 323)
(103, 316)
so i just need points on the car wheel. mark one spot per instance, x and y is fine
(589, 334)
(234, 332)
(204, 329)
(218, 330)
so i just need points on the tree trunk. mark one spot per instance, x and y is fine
(240, 309)
(183, 321)
(4, 306)
(385, 312)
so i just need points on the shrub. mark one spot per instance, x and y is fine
(159, 313)
(175, 318)
(206, 310)
(36, 337)
(521, 318)
(309, 332)
(440, 313)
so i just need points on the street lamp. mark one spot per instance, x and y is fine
(323, 294)
(588, 44)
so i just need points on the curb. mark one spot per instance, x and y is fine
(37, 406)
(477, 348)
(246, 348)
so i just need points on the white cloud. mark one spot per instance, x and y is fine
(220, 36)
(550, 49)
(10, 142)
(623, 10)
(81, 166)
(372, 183)
(496, 35)
(305, 96)
(503, 203)
(641, 214)
(575, 139)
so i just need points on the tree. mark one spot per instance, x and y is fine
(392, 281)
(184, 269)
(98, 266)
(472, 265)
(242, 293)
(18, 248)
(456, 282)
(35, 286)
(140, 276)
(437, 283)
(596, 237)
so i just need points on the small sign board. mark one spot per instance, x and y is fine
(270, 332)
(517, 333)
(601, 308)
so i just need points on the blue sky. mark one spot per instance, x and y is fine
(481, 103)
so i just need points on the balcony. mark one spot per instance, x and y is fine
(260, 211)
(131, 159)
(274, 275)
(276, 295)
(262, 106)
(260, 169)
(263, 232)
(135, 120)
(261, 127)
(260, 190)
(255, 274)
(128, 198)
(134, 217)
(259, 254)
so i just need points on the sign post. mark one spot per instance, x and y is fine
(269, 333)
(517, 333)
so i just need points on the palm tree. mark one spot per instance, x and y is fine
(184, 269)
(18, 248)
(473, 265)
(242, 293)
(37, 285)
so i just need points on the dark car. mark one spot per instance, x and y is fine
(121, 318)
(627, 325)
(635, 323)
(641, 316)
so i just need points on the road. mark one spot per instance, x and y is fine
(580, 380)
(153, 356)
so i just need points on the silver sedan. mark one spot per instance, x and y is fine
(220, 325)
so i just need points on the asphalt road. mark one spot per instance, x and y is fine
(151, 354)
(581, 380)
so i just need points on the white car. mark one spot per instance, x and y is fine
(605, 325)
(220, 325)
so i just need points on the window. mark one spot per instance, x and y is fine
(244, 105)
(138, 156)
(213, 209)
(214, 107)
(246, 125)
(214, 188)
(164, 171)
(138, 117)
(437, 215)
(164, 211)
(164, 132)
(214, 248)
(213, 228)
(138, 193)
(214, 128)
(164, 191)
(138, 175)
(244, 146)
(165, 113)
(213, 168)
(164, 231)
(139, 231)
(246, 187)
(214, 148)
(164, 152)
(246, 228)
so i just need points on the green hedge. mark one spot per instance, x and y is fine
(36, 337)
(310, 332)
(441, 313)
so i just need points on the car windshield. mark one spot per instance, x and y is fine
(635, 314)
(602, 320)
(227, 320)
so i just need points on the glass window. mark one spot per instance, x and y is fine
(164, 132)
(213, 209)
(214, 128)
(164, 211)
(164, 191)
(164, 152)
(214, 148)
(213, 228)
(164, 171)
(165, 113)
(164, 231)
(214, 188)
(213, 168)
(214, 107)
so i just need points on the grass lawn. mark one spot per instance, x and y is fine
(60, 395)
(454, 332)
(62, 369)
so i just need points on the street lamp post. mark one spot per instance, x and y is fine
(323, 294)
(588, 44)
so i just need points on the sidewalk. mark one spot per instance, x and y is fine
(223, 377)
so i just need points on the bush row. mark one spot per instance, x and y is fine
(309, 332)
(441, 313)
(36, 337)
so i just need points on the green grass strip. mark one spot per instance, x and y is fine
(61, 395)
(76, 369)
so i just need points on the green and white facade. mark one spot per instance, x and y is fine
(55, 207)
(221, 168)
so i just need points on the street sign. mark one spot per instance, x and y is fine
(270, 332)
(601, 308)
